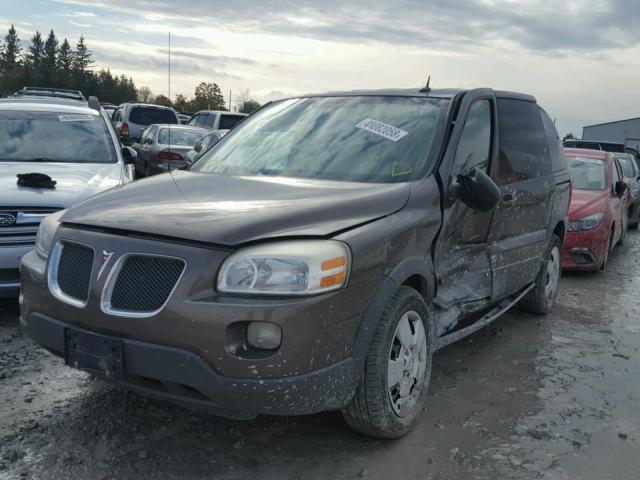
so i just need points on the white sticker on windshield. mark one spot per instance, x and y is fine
(387, 131)
(76, 118)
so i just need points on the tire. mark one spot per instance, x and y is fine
(147, 170)
(389, 411)
(623, 236)
(607, 252)
(540, 300)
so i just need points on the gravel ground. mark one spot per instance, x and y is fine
(555, 397)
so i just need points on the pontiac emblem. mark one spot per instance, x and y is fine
(6, 219)
(104, 260)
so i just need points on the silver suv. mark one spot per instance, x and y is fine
(131, 119)
(56, 149)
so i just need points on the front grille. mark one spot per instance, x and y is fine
(74, 270)
(144, 283)
(23, 231)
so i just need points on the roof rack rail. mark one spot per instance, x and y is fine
(50, 92)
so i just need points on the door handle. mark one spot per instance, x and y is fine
(508, 199)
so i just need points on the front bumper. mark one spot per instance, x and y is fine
(10, 258)
(179, 375)
(188, 342)
(585, 250)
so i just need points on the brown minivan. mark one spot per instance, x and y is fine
(314, 259)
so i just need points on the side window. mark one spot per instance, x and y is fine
(474, 147)
(615, 171)
(554, 145)
(117, 116)
(193, 120)
(522, 141)
(145, 135)
(209, 119)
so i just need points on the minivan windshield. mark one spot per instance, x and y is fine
(345, 138)
(587, 173)
(54, 137)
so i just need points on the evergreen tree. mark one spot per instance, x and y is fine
(82, 61)
(64, 65)
(81, 65)
(49, 64)
(10, 63)
(33, 61)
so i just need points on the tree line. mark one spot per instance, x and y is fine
(47, 62)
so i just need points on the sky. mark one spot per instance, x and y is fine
(579, 58)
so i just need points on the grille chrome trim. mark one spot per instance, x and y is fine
(23, 231)
(52, 274)
(110, 282)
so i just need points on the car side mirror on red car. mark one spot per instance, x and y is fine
(620, 188)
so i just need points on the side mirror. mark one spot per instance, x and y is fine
(129, 155)
(620, 188)
(478, 191)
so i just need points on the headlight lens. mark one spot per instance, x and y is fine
(586, 223)
(296, 267)
(46, 232)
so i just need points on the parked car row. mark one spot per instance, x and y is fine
(321, 252)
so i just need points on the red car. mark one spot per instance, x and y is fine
(598, 212)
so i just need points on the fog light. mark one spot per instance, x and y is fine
(264, 335)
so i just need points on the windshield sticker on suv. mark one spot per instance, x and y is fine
(387, 131)
(76, 118)
(399, 169)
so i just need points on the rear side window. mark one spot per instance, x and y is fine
(522, 141)
(149, 115)
(117, 116)
(554, 146)
(229, 121)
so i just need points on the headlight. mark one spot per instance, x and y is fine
(586, 223)
(46, 232)
(296, 267)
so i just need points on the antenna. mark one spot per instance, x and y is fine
(169, 93)
(426, 88)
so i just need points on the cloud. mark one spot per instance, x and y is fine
(125, 60)
(220, 59)
(547, 28)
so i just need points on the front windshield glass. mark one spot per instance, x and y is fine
(54, 137)
(587, 173)
(350, 138)
(180, 136)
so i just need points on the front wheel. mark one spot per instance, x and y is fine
(541, 298)
(392, 392)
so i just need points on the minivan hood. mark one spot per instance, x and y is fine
(587, 202)
(75, 182)
(231, 210)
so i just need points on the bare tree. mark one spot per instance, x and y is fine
(145, 95)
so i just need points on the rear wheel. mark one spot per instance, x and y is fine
(392, 392)
(540, 300)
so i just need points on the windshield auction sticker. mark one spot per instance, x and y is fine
(76, 118)
(387, 131)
